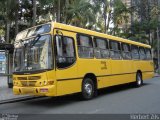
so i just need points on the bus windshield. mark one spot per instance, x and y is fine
(33, 58)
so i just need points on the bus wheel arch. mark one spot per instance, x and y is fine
(89, 80)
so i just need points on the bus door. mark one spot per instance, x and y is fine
(66, 67)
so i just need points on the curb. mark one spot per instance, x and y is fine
(19, 99)
(157, 76)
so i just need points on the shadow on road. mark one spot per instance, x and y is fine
(75, 98)
(118, 88)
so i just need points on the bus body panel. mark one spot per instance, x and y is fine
(105, 71)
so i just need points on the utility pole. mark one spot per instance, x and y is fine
(158, 46)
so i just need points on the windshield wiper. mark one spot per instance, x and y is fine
(35, 40)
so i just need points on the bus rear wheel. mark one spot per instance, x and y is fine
(139, 80)
(88, 89)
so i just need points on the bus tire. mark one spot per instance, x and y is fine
(139, 80)
(88, 89)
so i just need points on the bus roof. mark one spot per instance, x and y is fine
(94, 33)
(84, 31)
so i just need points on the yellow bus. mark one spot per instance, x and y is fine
(55, 59)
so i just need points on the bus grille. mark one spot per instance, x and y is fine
(22, 78)
(34, 77)
(28, 83)
(29, 78)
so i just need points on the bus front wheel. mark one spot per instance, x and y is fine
(88, 89)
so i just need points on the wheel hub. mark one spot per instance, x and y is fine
(88, 88)
(139, 80)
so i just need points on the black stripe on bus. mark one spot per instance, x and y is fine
(147, 71)
(101, 76)
(69, 79)
(116, 74)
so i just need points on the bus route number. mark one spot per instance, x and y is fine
(104, 65)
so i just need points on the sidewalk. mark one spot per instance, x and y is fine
(156, 75)
(6, 93)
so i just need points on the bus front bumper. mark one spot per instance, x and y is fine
(38, 91)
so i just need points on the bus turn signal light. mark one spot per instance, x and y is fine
(50, 82)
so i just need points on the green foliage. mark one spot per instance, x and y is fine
(144, 29)
(121, 13)
(91, 14)
(80, 13)
(1, 32)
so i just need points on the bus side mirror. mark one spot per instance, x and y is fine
(58, 32)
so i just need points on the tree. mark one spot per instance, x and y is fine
(147, 22)
(120, 15)
(7, 7)
(80, 13)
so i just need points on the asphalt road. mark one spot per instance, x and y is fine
(123, 99)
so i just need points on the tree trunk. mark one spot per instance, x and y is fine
(7, 23)
(158, 46)
(105, 16)
(65, 11)
(58, 11)
(16, 17)
(7, 31)
(109, 16)
(34, 12)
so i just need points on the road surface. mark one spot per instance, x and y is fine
(123, 99)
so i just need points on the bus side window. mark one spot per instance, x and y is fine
(126, 51)
(134, 51)
(101, 48)
(115, 50)
(148, 54)
(85, 46)
(65, 51)
(142, 53)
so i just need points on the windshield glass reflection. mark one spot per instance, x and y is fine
(31, 58)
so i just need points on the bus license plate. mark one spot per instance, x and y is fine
(28, 90)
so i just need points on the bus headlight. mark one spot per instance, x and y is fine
(40, 83)
(45, 82)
